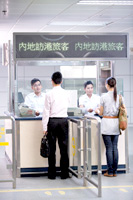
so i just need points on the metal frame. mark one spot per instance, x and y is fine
(18, 148)
(56, 59)
(86, 171)
(126, 150)
(79, 171)
(9, 78)
(62, 33)
(16, 60)
(87, 159)
(98, 72)
(13, 165)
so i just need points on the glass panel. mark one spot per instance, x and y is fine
(78, 84)
(75, 74)
(119, 86)
(79, 71)
(104, 73)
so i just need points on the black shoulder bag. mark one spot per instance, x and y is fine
(44, 148)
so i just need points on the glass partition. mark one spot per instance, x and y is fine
(105, 71)
(75, 74)
(120, 86)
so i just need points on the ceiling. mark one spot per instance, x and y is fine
(63, 16)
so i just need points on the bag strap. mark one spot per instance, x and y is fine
(120, 101)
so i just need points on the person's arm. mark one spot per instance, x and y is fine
(84, 110)
(81, 105)
(27, 101)
(46, 113)
(99, 110)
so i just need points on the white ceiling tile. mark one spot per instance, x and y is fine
(39, 15)
(56, 28)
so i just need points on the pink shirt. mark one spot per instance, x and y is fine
(56, 104)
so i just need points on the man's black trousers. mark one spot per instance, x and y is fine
(58, 129)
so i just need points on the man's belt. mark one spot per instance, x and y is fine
(110, 117)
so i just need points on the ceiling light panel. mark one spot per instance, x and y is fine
(83, 2)
(85, 23)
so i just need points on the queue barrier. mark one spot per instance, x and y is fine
(87, 135)
(13, 164)
(81, 129)
(76, 131)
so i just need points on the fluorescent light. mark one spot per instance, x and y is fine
(85, 23)
(82, 2)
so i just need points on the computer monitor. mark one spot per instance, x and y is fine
(20, 97)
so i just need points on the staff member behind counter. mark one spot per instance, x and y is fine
(35, 100)
(89, 102)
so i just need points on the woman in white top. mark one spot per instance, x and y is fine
(89, 102)
(109, 108)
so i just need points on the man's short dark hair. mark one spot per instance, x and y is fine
(34, 80)
(87, 83)
(57, 78)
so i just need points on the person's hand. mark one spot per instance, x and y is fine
(45, 132)
(81, 106)
(97, 111)
(37, 113)
(90, 110)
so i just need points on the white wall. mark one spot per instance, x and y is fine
(124, 69)
(3, 86)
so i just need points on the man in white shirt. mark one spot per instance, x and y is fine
(35, 100)
(55, 124)
(89, 102)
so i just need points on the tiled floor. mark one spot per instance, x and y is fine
(38, 188)
(30, 188)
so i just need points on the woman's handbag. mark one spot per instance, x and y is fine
(44, 149)
(122, 115)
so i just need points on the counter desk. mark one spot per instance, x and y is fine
(29, 132)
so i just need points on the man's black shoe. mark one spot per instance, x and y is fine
(65, 176)
(51, 177)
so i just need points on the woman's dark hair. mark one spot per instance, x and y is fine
(111, 81)
(87, 83)
(34, 81)
(57, 78)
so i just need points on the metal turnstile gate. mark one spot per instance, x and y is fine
(80, 151)
(76, 147)
(12, 166)
(87, 156)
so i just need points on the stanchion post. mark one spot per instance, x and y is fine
(126, 151)
(13, 153)
(85, 183)
(99, 160)
(89, 149)
(79, 147)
